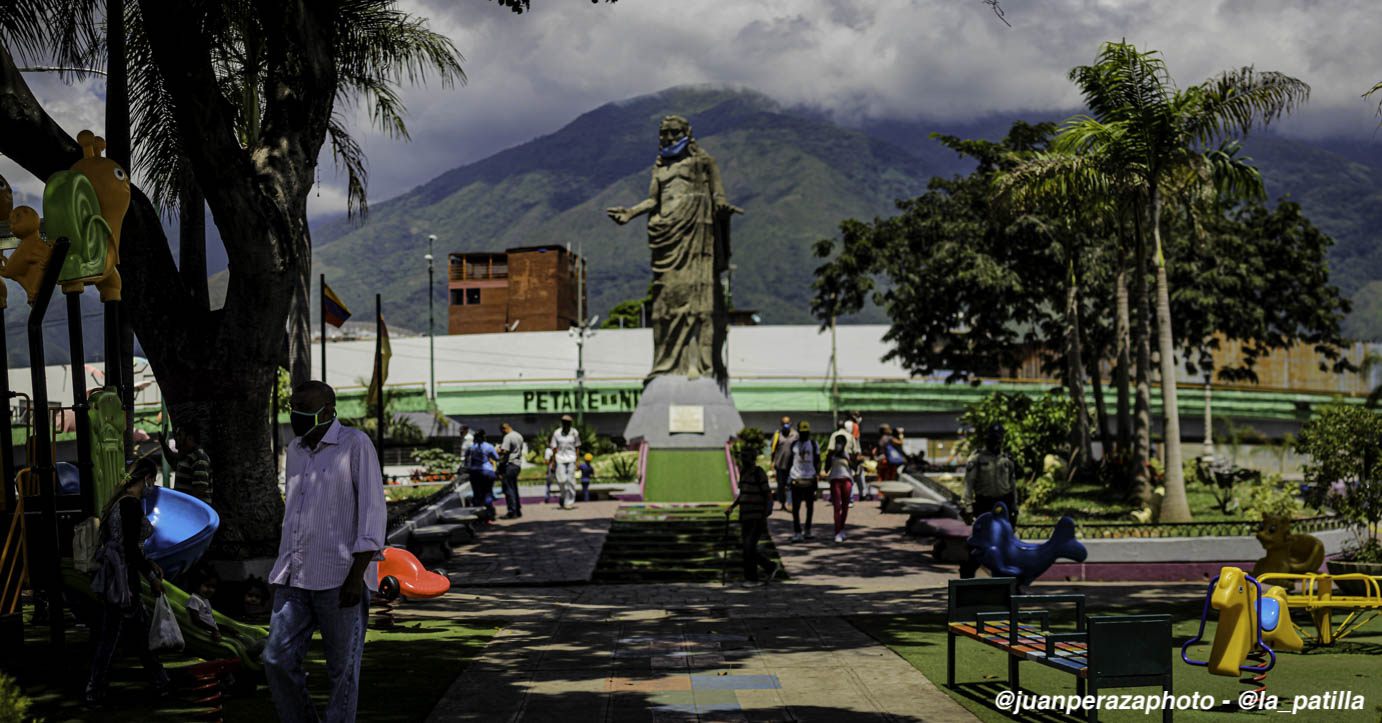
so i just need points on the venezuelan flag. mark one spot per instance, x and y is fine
(333, 309)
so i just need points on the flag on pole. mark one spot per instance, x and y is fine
(333, 309)
(381, 373)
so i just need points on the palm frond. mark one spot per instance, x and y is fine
(1372, 90)
(1236, 101)
(381, 48)
(348, 156)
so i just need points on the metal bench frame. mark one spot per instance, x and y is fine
(1120, 651)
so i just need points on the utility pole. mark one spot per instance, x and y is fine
(834, 377)
(1208, 419)
(431, 343)
(580, 336)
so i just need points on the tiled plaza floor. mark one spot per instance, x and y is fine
(706, 652)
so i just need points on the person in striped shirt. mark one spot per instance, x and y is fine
(755, 503)
(333, 531)
(192, 465)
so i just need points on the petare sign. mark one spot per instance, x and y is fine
(569, 400)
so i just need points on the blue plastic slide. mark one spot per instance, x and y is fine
(183, 528)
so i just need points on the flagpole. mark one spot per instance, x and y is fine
(321, 307)
(379, 376)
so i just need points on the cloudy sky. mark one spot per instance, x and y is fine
(530, 74)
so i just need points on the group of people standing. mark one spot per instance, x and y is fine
(799, 461)
(482, 464)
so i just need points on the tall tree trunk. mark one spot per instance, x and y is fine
(1096, 382)
(1075, 367)
(1122, 344)
(1142, 410)
(1174, 506)
(192, 243)
(300, 327)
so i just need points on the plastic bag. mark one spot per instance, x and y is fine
(164, 633)
(86, 543)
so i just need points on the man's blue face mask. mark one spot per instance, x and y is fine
(304, 422)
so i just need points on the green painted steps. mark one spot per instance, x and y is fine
(650, 543)
(687, 475)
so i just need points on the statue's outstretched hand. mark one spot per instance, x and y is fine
(619, 214)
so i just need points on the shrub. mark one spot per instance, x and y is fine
(437, 461)
(1034, 427)
(14, 705)
(1039, 490)
(750, 437)
(624, 467)
(1344, 472)
(1273, 496)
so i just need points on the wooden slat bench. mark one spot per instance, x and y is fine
(1105, 651)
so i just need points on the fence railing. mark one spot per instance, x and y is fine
(1221, 528)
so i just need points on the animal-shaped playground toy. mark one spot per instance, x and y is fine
(1250, 620)
(86, 204)
(402, 573)
(993, 543)
(1286, 552)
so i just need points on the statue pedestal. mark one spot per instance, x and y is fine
(679, 413)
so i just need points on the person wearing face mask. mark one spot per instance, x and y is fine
(781, 455)
(121, 565)
(333, 530)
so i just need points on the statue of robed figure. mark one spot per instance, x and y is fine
(688, 234)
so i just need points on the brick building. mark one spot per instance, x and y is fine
(522, 289)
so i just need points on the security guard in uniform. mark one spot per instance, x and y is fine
(990, 478)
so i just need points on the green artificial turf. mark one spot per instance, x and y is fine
(403, 675)
(687, 475)
(1353, 664)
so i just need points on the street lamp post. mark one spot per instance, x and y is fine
(431, 343)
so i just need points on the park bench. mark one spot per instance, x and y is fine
(606, 490)
(1105, 651)
(889, 493)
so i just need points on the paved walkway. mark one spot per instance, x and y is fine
(699, 651)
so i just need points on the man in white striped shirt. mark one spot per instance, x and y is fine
(333, 529)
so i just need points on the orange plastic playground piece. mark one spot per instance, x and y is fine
(414, 580)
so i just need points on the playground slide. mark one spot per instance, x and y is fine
(242, 641)
(183, 527)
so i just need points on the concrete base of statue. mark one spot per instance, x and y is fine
(679, 413)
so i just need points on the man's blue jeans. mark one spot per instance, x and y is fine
(297, 613)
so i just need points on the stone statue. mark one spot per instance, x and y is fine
(688, 233)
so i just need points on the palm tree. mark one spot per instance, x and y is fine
(1163, 126)
(379, 48)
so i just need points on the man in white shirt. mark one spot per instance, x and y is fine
(333, 529)
(566, 448)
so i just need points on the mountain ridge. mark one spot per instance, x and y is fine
(795, 172)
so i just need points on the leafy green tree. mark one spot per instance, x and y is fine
(1345, 469)
(950, 277)
(627, 314)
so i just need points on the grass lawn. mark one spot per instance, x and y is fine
(1354, 664)
(403, 674)
(687, 475)
(1092, 503)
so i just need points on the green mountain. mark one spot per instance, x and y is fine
(796, 174)
(795, 177)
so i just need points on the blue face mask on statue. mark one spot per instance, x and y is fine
(304, 422)
(675, 149)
